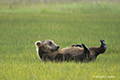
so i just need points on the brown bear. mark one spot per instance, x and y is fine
(73, 54)
(48, 50)
(95, 51)
(45, 47)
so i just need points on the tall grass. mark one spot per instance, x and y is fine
(20, 29)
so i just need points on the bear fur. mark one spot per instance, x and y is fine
(48, 50)
(95, 51)
(45, 47)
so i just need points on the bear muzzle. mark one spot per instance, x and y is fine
(57, 47)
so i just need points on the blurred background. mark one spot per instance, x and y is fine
(53, 6)
(50, 1)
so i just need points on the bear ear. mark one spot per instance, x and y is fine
(38, 43)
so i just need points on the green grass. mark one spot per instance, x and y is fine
(80, 7)
(19, 31)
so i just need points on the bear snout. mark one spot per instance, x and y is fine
(58, 47)
(55, 48)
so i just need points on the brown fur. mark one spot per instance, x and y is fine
(95, 51)
(71, 51)
(67, 54)
(45, 47)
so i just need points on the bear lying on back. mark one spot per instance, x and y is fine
(48, 50)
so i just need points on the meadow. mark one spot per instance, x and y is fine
(65, 24)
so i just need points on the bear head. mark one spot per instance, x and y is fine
(45, 47)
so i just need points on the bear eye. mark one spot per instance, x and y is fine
(50, 43)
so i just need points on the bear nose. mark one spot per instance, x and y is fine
(58, 47)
